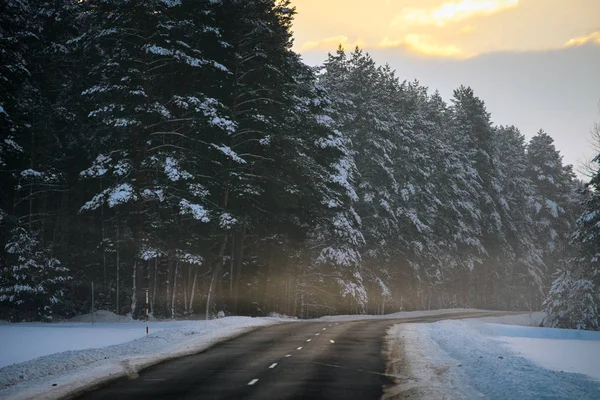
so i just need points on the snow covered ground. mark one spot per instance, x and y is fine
(44, 361)
(75, 354)
(400, 315)
(494, 358)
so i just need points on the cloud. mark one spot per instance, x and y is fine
(468, 29)
(331, 43)
(451, 11)
(593, 37)
(422, 44)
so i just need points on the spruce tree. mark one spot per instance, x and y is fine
(552, 201)
(574, 298)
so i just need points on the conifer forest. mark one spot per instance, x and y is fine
(183, 147)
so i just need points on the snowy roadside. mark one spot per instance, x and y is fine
(77, 355)
(402, 314)
(493, 358)
(115, 355)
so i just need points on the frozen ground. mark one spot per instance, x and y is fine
(492, 359)
(55, 359)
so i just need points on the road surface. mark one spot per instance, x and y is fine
(296, 360)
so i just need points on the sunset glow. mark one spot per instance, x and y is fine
(453, 11)
(455, 29)
(591, 38)
(423, 45)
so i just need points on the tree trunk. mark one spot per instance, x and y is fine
(134, 289)
(193, 291)
(238, 266)
(231, 267)
(174, 289)
(209, 297)
(32, 166)
(118, 262)
(185, 290)
(104, 287)
(215, 276)
(154, 288)
(168, 285)
(429, 302)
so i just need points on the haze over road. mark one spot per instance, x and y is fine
(299, 360)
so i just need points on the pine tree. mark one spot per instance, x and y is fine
(15, 39)
(473, 130)
(523, 263)
(150, 131)
(184, 147)
(574, 300)
(32, 282)
(364, 97)
(552, 201)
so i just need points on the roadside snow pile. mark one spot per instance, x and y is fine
(25, 341)
(529, 319)
(471, 359)
(70, 360)
(556, 349)
(282, 316)
(402, 314)
(102, 316)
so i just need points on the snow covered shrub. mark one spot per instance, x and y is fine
(31, 280)
(572, 303)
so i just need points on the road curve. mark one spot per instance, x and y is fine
(296, 360)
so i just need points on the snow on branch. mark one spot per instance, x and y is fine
(113, 196)
(230, 153)
(195, 210)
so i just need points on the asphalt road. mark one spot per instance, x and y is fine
(297, 360)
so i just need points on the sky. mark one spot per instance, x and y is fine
(535, 63)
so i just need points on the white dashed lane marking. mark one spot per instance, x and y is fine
(317, 334)
(299, 348)
(288, 355)
(324, 329)
(308, 340)
(252, 382)
(273, 365)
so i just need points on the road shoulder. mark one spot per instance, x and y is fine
(471, 359)
(419, 368)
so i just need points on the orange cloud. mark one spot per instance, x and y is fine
(468, 29)
(331, 43)
(422, 44)
(593, 37)
(451, 11)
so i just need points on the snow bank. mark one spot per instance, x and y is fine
(400, 315)
(102, 316)
(116, 355)
(563, 350)
(529, 319)
(25, 341)
(282, 316)
(470, 359)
